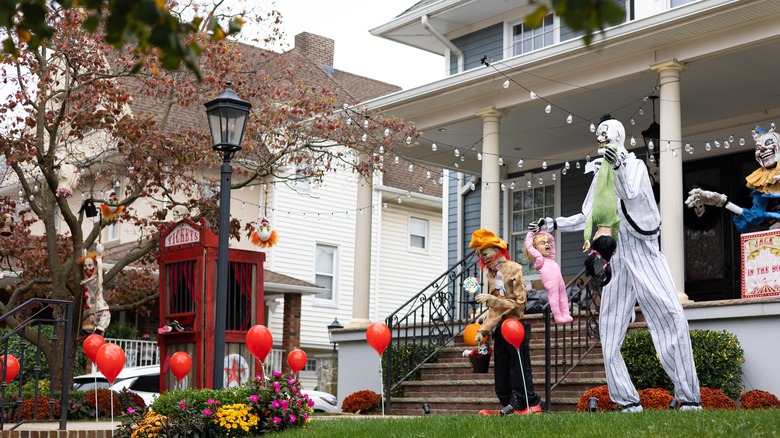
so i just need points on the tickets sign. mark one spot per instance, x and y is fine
(760, 264)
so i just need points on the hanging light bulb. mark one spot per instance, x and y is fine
(365, 137)
(396, 159)
(399, 200)
(503, 187)
(349, 121)
(717, 144)
(520, 163)
(433, 147)
(411, 168)
(381, 149)
(566, 165)
(479, 156)
(473, 186)
(674, 152)
(726, 144)
(533, 95)
(592, 127)
(548, 108)
(529, 183)
(688, 148)
(541, 180)
(387, 132)
(456, 165)
(462, 158)
(587, 157)
(409, 140)
(569, 119)
(544, 165)
(652, 158)
(441, 180)
(576, 164)
(420, 188)
(742, 141)
(554, 177)
(506, 84)
(457, 153)
(641, 112)
(632, 121)
(707, 146)
(500, 161)
(428, 174)
(731, 138)
(563, 171)
(651, 145)
(365, 122)
(512, 186)
(632, 142)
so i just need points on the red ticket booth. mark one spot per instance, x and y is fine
(188, 278)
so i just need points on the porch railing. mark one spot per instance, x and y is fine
(31, 323)
(431, 318)
(138, 353)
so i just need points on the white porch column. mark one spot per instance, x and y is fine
(491, 171)
(671, 175)
(362, 274)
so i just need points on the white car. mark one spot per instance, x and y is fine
(145, 381)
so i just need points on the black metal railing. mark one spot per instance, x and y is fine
(431, 319)
(566, 346)
(33, 322)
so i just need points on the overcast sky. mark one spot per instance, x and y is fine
(348, 22)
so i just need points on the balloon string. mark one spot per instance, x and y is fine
(112, 406)
(523, 376)
(96, 396)
(381, 386)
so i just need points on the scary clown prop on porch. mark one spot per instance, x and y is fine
(95, 316)
(764, 183)
(540, 249)
(641, 274)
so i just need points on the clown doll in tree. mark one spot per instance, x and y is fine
(96, 316)
(764, 183)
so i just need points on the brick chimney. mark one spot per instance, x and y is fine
(315, 47)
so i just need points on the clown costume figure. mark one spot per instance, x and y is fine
(641, 274)
(504, 295)
(764, 183)
(540, 249)
(96, 317)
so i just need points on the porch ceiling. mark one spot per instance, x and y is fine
(729, 86)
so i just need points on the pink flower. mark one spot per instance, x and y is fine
(275, 404)
(276, 387)
(277, 420)
(292, 418)
(207, 412)
(254, 398)
(211, 402)
(285, 406)
(182, 405)
(277, 374)
(311, 403)
(145, 336)
(130, 410)
(291, 381)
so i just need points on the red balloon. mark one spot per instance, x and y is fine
(92, 344)
(181, 364)
(12, 370)
(110, 360)
(513, 332)
(259, 341)
(378, 337)
(297, 360)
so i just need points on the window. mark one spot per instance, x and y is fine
(526, 39)
(311, 365)
(418, 233)
(325, 270)
(529, 204)
(113, 231)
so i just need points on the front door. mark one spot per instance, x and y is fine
(712, 253)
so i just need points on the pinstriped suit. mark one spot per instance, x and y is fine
(639, 273)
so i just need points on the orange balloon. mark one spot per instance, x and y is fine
(297, 360)
(110, 360)
(92, 344)
(513, 332)
(181, 364)
(378, 337)
(259, 342)
(470, 334)
(12, 370)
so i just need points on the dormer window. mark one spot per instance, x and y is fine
(526, 39)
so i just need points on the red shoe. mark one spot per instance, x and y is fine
(488, 413)
(531, 410)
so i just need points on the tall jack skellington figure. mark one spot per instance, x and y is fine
(764, 182)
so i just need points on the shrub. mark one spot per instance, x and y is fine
(601, 393)
(404, 358)
(716, 399)
(717, 354)
(129, 399)
(105, 399)
(39, 408)
(757, 399)
(362, 402)
(655, 398)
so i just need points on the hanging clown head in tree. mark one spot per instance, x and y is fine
(263, 235)
(110, 209)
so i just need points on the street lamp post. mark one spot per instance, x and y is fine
(227, 115)
(332, 326)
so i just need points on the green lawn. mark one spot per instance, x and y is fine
(710, 423)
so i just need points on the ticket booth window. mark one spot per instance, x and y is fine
(241, 283)
(180, 277)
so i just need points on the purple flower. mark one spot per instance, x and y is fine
(277, 374)
(254, 398)
(285, 406)
(276, 387)
(207, 412)
(211, 402)
(73, 406)
(292, 418)
(145, 336)
(130, 410)
(277, 420)
(305, 416)
(311, 403)
(258, 378)
(275, 404)
(291, 381)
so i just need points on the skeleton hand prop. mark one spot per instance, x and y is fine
(697, 197)
(537, 226)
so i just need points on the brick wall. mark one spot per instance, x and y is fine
(318, 49)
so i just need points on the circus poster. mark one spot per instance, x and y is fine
(760, 264)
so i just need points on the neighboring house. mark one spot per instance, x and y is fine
(502, 122)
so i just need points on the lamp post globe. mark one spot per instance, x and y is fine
(227, 116)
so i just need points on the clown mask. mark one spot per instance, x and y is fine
(89, 267)
(766, 146)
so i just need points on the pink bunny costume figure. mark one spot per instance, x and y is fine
(540, 249)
